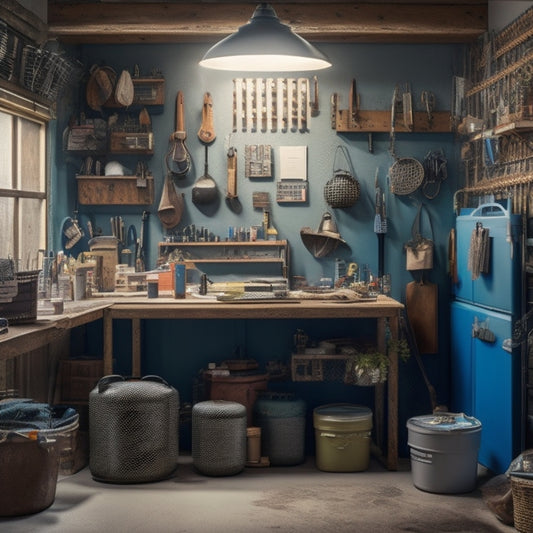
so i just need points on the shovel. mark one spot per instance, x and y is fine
(205, 189)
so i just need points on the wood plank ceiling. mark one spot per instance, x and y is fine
(377, 21)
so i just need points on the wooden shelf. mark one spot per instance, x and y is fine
(115, 190)
(230, 252)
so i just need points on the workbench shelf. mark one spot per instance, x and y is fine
(228, 252)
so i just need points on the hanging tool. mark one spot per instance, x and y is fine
(206, 133)
(178, 158)
(315, 109)
(232, 199)
(380, 224)
(353, 104)
(140, 259)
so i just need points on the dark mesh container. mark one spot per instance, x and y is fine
(281, 418)
(133, 429)
(219, 437)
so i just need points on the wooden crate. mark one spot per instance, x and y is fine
(146, 91)
(114, 190)
(77, 377)
(121, 142)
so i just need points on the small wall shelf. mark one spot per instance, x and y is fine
(227, 252)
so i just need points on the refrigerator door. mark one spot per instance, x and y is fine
(499, 288)
(494, 390)
(462, 393)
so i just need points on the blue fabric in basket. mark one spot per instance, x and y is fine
(24, 414)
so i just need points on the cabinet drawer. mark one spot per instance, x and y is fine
(114, 190)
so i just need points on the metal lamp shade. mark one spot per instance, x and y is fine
(264, 44)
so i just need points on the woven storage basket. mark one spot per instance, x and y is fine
(522, 489)
(219, 437)
(281, 417)
(23, 307)
(133, 429)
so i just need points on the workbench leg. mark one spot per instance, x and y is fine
(392, 423)
(108, 343)
(136, 347)
(379, 390)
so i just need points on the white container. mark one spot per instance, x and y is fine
(444, 449)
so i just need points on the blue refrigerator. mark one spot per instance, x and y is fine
(485, 378)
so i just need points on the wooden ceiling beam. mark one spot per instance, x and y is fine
(413, 22)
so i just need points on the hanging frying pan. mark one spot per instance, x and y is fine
(178, 158)
(205, 189)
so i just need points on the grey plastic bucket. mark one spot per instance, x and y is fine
(444, 449)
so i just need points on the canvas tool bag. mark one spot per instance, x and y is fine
(419, 250)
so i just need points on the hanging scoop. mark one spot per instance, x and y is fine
(205, 189)
(170, 208)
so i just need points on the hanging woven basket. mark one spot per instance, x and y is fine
(342, 190)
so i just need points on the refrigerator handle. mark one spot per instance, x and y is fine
(509, 238)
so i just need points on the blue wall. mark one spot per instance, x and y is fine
(178, 352)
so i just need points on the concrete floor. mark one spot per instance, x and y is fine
(289, 499)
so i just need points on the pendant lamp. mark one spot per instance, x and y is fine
(264, 44)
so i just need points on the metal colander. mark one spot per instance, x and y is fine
(406, 175)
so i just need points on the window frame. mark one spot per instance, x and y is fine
(17, 192)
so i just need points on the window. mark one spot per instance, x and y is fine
(23, 187)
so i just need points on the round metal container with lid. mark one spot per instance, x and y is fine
(443, 450)
(342, 435)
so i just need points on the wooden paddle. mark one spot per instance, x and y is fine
(206, 133)
(178, 157)
(421, 302)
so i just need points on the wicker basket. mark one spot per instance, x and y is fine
(23, 308)
(522, 489)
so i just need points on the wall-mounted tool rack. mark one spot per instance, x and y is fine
(273, 104)
(203, 253)
(380, 121)
(498, 116)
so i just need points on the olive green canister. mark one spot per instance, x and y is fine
(342, 437)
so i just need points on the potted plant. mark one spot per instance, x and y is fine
(367, 368)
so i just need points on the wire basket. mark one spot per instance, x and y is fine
(9, 46)
(406, 175)
(318, 367)
(46, 73)
(342, 190)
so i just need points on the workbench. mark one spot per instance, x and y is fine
(385, 310)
